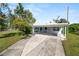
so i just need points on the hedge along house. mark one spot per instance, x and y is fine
(58, 29)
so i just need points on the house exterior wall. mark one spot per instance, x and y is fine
(49, 30)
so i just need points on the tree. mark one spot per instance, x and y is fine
(21, 25)
(62, 20)
(74, 28)
(12, 18)
(19, 10)
(21, 19)
(57, 21)
(2, 21)
(3, 24)
(24, 19)
(27, 15)
(6, 10)
(24, 14)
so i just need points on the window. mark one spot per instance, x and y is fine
(36, 29)
(40, 28)
(55, 28)
(45, 28)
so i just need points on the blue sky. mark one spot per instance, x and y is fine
(46, 12)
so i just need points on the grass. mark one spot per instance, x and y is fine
(5, 42)
(71, 45)
(9, 33)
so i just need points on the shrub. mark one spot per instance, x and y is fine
(74, 28)
(26, 29)
(22, 25)
(9, 34)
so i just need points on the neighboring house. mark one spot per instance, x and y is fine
(58, 29)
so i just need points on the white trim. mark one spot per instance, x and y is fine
(52, 25)
(65, 31)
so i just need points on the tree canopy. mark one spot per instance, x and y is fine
(22, 19)
(62, 20)
(74, 28)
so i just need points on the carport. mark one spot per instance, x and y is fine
(58, 29)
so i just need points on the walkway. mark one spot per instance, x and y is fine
(38, 45)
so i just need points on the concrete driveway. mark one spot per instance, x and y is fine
(37, 45)
(43, 45)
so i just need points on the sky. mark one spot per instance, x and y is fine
(46, 12)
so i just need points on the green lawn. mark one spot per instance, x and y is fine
(6, 41)
(71, 45)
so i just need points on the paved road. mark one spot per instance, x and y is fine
(37, 45)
